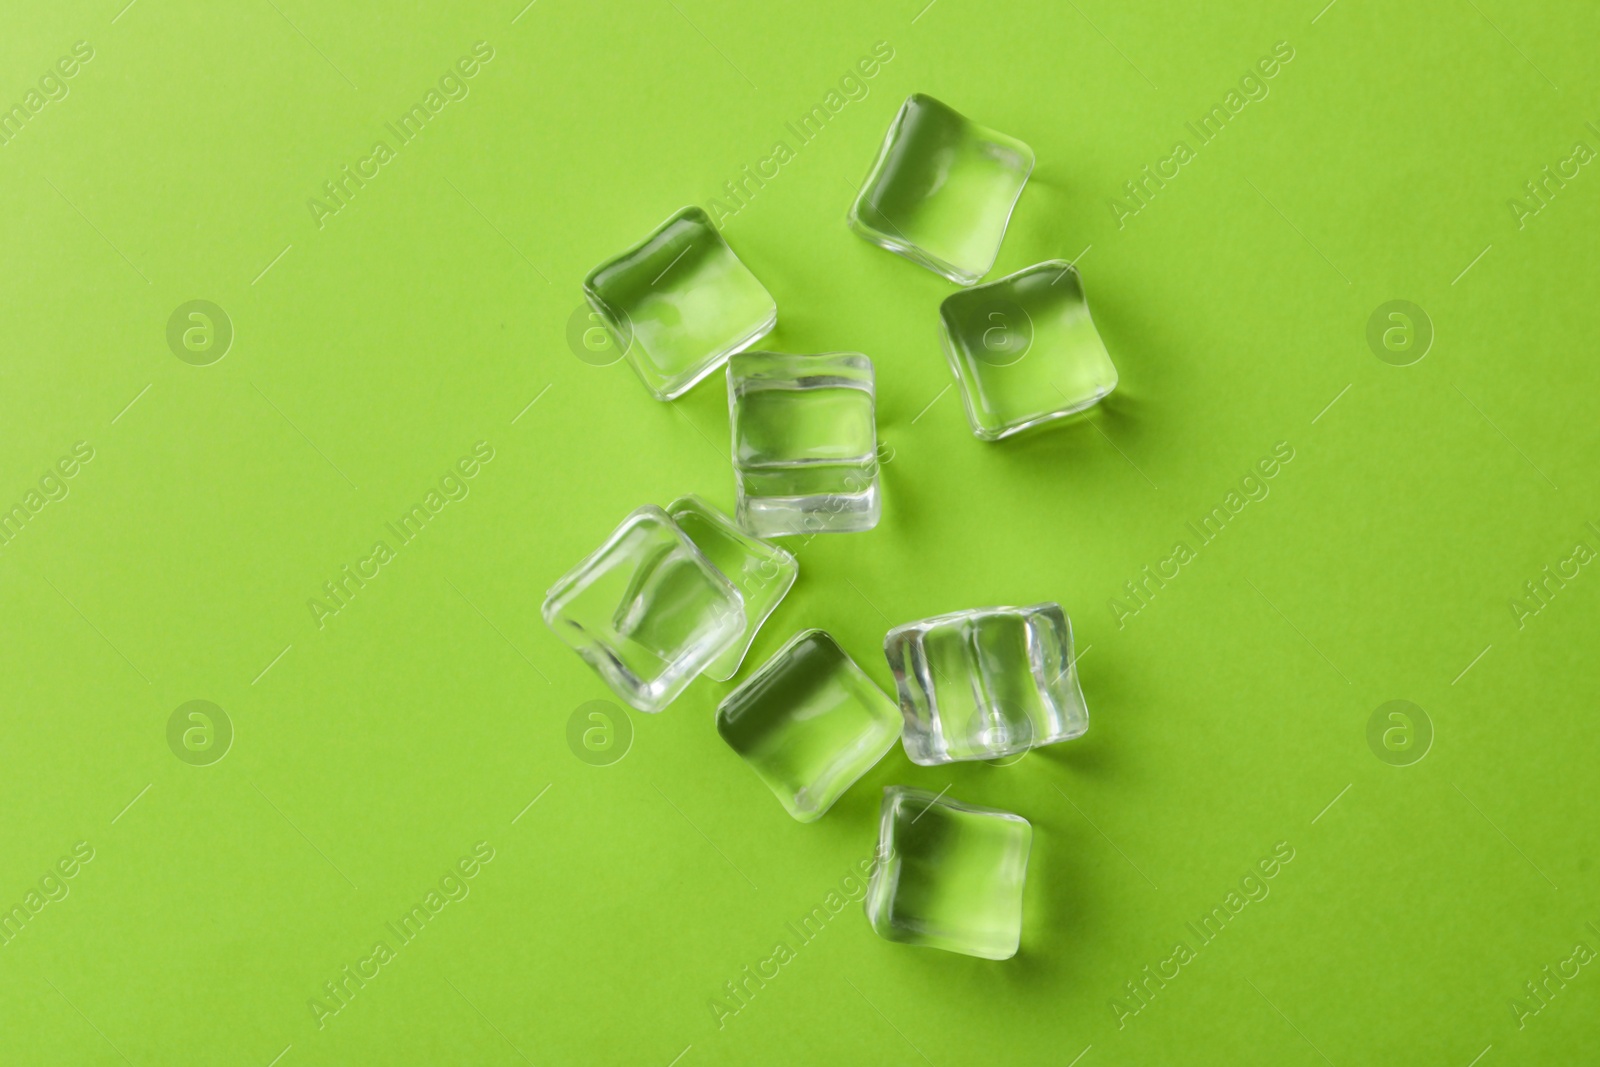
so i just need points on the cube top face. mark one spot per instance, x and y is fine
(1025, 350)
(942, 190)
(646, 610)
(762, 573)
(810, 723)
(986, 683)
(805, 442)
(679, 303)
(949, 875)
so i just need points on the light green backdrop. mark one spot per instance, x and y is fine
(376, 346)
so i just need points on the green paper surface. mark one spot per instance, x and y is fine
(325, 503)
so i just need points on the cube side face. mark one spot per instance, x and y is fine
(679, 303)
(646, 610)
(762, 573)
(810, 723)
(1024, 350)
(942, 190)
(805, 444)
(1062, 713)
(950, 875)
(922, 734)
(985, 683)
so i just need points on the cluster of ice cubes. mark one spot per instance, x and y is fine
(680, 592)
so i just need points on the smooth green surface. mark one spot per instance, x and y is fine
(1229, 712)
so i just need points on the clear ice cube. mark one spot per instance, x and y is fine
(1025, 350)
(805, 442)
(646, 610)
(761, 572)
(809, 723)
(949, 875)
(942, 190)
(986, 683)
(679, 303)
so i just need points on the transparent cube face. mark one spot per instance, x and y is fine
(942, 190)
(986, 683)
(805, 442)
(949, 875)
(761, 572)
(646, 610)
(809, 723)
(679, 303)
(1025, 350)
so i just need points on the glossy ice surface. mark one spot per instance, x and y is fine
(949, 875)
(761, 572)
(941, 190)
(1025, 350)
(805, 442)
(680, 302)
(810, 723)
(986, 683)
(646, 610)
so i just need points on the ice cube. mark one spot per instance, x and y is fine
(986, 683)
(810, 723)
(805, 442)
(941, 190)
(761, 572)
(1024, 349)
(647, 610)
(949, 875)
(679, 303)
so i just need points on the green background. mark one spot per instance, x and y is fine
(374, 351)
